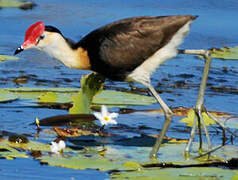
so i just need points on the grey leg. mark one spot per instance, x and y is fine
(168, 117)
(200, 99)
(192, 135)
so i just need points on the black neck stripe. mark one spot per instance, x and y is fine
(70, 42)
(52, 29)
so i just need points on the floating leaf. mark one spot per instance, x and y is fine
(81, 162)
(132, 164)
(235, 176)
(190, 118)
(8, 97)
(116, 98)
(43, 95)
(17, 4)
(225, 53)
(68, 119)
(5, 57)
(176, 174)
(39, 90)
(114, 157)
(74, 132)
(67, 96)
(48, 97)
(9, 152)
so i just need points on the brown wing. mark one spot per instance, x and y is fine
(127, 43)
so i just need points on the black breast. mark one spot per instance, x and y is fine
(118, 48)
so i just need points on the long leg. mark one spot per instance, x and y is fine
(168, 117)
(200, 99)
(168, 113)
(192, 135)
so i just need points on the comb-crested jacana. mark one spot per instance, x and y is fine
(126, 50)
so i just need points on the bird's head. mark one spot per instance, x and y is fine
(40, 37)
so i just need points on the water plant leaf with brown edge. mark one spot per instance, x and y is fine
(74, 132)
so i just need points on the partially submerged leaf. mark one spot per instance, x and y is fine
(190, 118)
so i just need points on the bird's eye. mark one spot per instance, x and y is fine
(42, 36)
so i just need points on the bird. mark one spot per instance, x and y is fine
(129, 49)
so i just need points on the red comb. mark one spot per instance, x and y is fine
(33, 32)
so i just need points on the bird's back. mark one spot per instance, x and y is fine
(116, 49)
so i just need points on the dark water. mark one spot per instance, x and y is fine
(216, 27)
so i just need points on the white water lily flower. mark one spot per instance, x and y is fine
(57, 147)
(106, 117)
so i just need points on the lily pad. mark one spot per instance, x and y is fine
(114, 158)
(190, 118)
(8, 98)
(175, 174)
(17, 4)
(9, 152)
(80, 162)
(54, 97)
(72, 95)
(225, 53)
(5, 57)
(116, 98)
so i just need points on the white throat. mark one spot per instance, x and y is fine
(57, 47)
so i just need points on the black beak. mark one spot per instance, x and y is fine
(20, 49)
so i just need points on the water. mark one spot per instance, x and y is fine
(215, 27)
